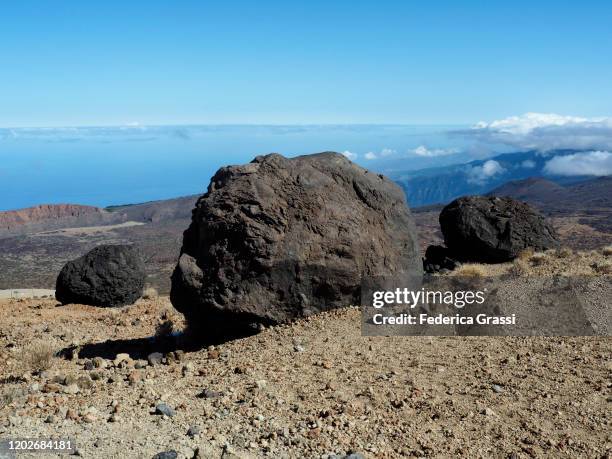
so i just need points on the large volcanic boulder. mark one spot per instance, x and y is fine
(492, 229)
(108, 275)
(280, 238)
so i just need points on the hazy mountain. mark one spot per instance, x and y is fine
(588, 196)
(443, 184)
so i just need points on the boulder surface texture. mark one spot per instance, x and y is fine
(108, 275)
(493, 229)
(279, 238)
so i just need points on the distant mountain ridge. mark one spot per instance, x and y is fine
(47, 217)
(53, 216)
(443, 184)
(587, 196)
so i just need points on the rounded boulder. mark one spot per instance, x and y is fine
(493, 229)
(108, 275)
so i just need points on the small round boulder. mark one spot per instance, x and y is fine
(493, 230)
(108, 276)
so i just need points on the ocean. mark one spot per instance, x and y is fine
(104, 166)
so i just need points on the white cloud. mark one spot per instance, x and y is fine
(480, 174)
(546, 131)
(596, 163)
(350, 155)
(387, 152)
(370, 155)
(422, 150)
(528, 164)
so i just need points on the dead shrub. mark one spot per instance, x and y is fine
(538, 259)
(164, 328)
(150, 293)
(525, 254)
(470, 271)
(39, 355)
(564, 252)
(604, 267)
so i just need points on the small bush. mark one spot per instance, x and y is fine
(164, 328)
(602, 267)
(39, 355)
(520, 267)
(150, 294)
(525, 254)
(538, 259)
(470, 271)
(564, 252)
(607, 251)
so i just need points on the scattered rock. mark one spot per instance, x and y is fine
(71, 389)
(248, 254)
(171, 454)
(497, 389)
(193, 431)
(164, 409)
(493, 230)
(438, 258)
(108, 275)
(155, 358)
(99, 362)
(207, 393)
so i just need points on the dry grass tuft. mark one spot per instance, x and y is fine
(602, 267)
(164, 328)
(564, 252)
(607, 251)
(525, 254)
(150, 294)
(39, 355)
(538, 259)
(470, 270)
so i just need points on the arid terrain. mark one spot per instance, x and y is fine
(315, 388)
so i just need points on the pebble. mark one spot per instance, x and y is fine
(193, 431)
(164, 409)
(134, 377)
(71, 389)
(89, 418)
(99, 362)
(171, 454)
(155, 358)
(298, 348)
(207, 393)
(488, 412)
(497, 389)
(123, 357)
(140, 364)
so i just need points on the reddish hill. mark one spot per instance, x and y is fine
(53, 216)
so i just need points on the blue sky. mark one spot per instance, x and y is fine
(159, 62)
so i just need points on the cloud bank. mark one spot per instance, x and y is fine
(596, 163)
(422, 150)
(545, 132)
(480, 174)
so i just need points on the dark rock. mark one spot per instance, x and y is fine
(278, 239)
(437, 259)
(193, 431)
(108, 275)
(493, 230)
(155, 358)
(171, 454)
(208, 393)
(163, 409)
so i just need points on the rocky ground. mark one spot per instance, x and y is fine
(315, 388)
